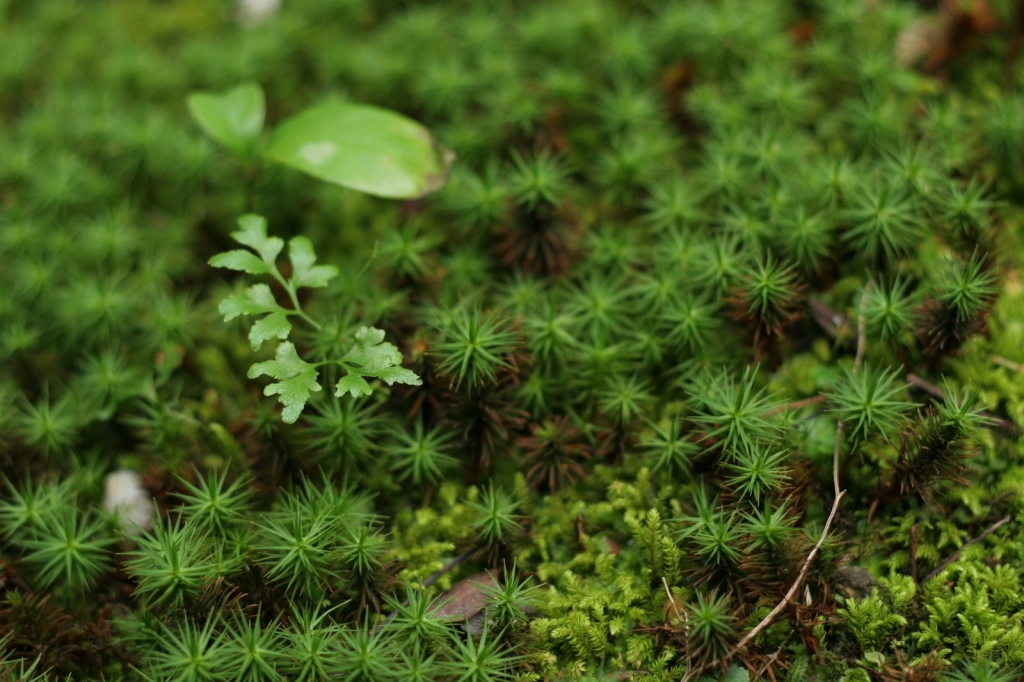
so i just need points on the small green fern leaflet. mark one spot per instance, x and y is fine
(370, 356)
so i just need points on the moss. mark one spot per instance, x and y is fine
(682, 243)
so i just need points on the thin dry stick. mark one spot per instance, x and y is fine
(686, 622)
(956, 555)
(795, 587)
(767, 665)
(1008, 364)
(796, 405)
(862, 330)
(671, 599)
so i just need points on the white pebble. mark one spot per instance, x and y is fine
(126, 496)
(252, 12)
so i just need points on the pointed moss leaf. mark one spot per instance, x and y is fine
(354, 384)
(253, 233)
(296, 380)
(304, 271)
(241, 260)
(273, 326)
(233, 118)
(363, 147)
(255, 300)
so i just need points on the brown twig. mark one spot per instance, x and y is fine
(796, 405)
(956, 555)
(795, 587)
(767, 665)
(926, 386)
(862, 329)
(671, 599)
(1008, 364)
(686, 625)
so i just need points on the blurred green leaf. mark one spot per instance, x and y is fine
(233, 118)
(363, 147)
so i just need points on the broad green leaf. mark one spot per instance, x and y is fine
(304, 272)
(296, 380)
(363, 147)
(273, 326)
(253, 233)
(233, 118)
(255, 300)
(354, 384)
(241, 260)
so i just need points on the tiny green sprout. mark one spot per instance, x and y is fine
(484, 658)
(253, 650)
(711, 624)
(28, 506)
(69, 547)
(959, 410)
(405, 251)
(362, 549)
(967, 208)
(234, 118)
(883, 221)
(625, 399)
(212, 505)
(890, 309)
(674, 204)
(757, 470)
(496, 517)
(298, 547)
(668, 449)
(807, 236)
(172, 563)
(366, 655)
(769, 525)
(718, 539)
(967, 288)
(538, 180)
(511, 597)
(50, 426)
(189, 653)
(869, 402)
(422, 456)
(474, 345)
(735, 411)
(312, 649)
(416, 617)
(692, 322)
(258, 299)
